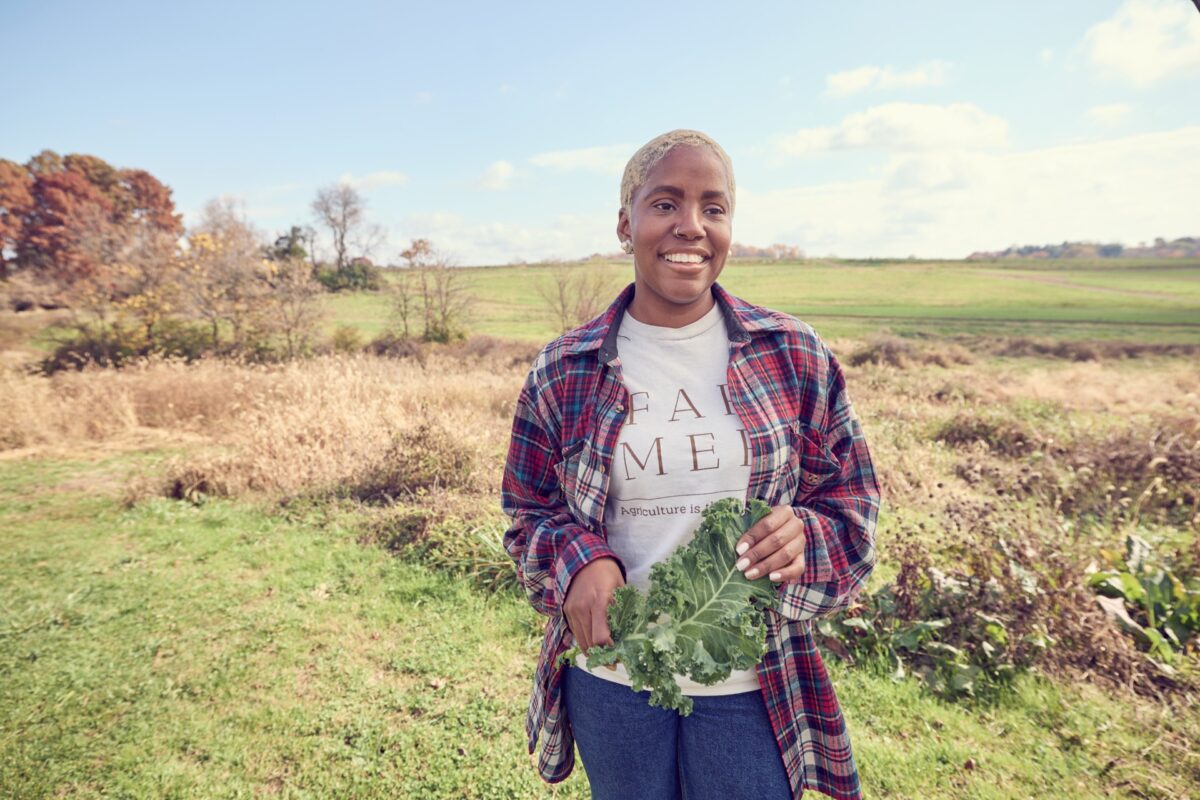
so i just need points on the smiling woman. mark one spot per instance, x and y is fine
(627, 427)
(679, 226)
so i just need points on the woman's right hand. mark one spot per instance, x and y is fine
(587, 601)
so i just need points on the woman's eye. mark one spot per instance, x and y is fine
(715, 210)
(664, 205)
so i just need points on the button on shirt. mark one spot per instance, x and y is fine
(808, 452)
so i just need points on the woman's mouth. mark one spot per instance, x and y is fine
(686, 262)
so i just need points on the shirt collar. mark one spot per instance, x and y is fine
(741, 320)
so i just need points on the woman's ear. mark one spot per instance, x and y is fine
(624, 232)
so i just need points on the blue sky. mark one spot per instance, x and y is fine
(856, 128)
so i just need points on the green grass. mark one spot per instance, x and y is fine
(1133, 301)
(1141, 301)
(220, 651)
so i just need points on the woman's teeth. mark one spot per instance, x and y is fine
(684, 258)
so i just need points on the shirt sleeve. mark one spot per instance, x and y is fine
(545, 540)
(839, 516)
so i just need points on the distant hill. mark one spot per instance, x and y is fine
(1187, 247)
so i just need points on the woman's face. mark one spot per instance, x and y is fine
(681, 230)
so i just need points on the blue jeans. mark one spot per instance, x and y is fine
(724, 750)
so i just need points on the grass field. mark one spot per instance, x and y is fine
(219, 651)
(1141, 301)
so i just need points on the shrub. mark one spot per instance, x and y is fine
(1013, 597)
(104, 346)
(394, 345)
(886, 349)
(427, 457)
(346, 339)
(965, 631)
(1150, 599)
(464, 543)
(356, 276)
(1002, 434)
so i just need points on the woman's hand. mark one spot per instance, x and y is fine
(587, 601)
(774, 546)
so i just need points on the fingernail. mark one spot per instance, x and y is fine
(745, 562)
(743, 547)
(775, 576)
(752, 573)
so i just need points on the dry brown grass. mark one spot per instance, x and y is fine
(1017, 443)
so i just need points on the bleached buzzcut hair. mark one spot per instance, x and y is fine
(653, 151)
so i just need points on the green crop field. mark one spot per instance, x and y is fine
(1136, 301)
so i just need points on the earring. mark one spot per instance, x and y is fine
(627, 245)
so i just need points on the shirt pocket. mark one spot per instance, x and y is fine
(811, 464)
(567, 472)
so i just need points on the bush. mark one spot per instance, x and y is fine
(442, 334)
(1002, 434)
(393, 345)
(353, 277)
(96, 345)
(463, 544)
(346, 339)
(886, 349)
(426, 458)
(1152, 599)
(964, 632)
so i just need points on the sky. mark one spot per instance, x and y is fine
(499, 131)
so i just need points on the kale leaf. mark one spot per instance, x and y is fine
(701, 618)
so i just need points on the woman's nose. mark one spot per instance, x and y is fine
(691, 225)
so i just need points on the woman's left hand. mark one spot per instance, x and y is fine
(774, 546)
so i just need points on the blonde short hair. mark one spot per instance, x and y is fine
(655, 150)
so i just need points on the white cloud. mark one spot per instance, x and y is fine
(948, 204)
(373, 180)
(471, 243)
(498, 175)
(1146, 41)
(1111, 114)
(1047, 55)
(902, 126)
(607, 160)
(423, 97)
(840, 84)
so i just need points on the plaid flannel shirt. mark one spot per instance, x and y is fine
(808, 452)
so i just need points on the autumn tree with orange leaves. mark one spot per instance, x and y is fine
(62, 220)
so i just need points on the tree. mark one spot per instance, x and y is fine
(54, 205)
(405, 288)
(224, 278)
(290, 245)
(16, 184)
(575, 293)
(294, 308)
(445, 297)
(342, 210)
(65, 210)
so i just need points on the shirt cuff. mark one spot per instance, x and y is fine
(817, 566)
(581, 550)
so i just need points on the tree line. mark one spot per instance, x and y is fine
(107, 245)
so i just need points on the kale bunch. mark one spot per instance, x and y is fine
(701, 618)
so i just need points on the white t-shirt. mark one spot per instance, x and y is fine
(680, 448)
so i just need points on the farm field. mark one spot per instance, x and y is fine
(225, 579)
(1146, 302)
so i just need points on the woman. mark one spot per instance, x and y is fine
(680, 394)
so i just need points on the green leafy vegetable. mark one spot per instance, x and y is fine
(701, 618)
